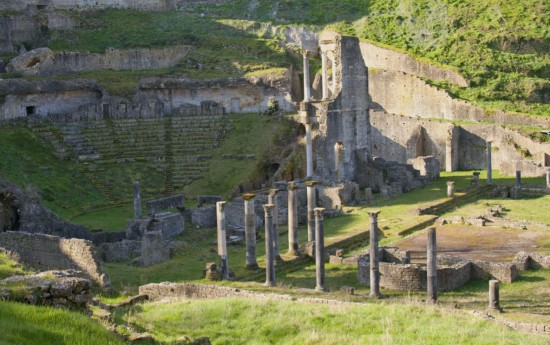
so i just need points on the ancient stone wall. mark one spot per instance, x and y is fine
(46, 252)
(84, 100)
(525, 260)
(388, 59)
(404, 94)
(452, 273)
(401, 138)
(143, 5)
(114, 59)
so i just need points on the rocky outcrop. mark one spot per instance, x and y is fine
(32, 63)
(55, 288)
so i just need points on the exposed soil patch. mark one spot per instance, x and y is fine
(480, 243)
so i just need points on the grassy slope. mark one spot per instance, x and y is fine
(9, 267)
(501, 46)
(233, 321)
(23, 324)
(31, 164)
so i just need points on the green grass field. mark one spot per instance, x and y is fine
(234, 321)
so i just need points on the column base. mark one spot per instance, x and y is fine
(321, 289)
(270, 284)
(494, 310)
(252, 267)
(376, 296)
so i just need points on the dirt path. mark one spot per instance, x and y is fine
(481, 243)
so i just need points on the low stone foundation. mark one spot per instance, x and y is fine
(452, 273)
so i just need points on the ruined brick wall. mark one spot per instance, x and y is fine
(46, 252)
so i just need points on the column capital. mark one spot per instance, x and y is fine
(220, 205)
(249, 196)
(292, 185)
(268, 208)
(311, 183)
(305, 53)
(450, 183)
(319, 211)
(374, 213)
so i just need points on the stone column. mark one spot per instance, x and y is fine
(319, 250)
(374, 260)
(269, 255)
(311, 203)
(250, 231)
(489, 164)
(494, 303)
(333, 74)
(518, 178)
(222, 241)
(309, 151)
(272, 200)
(292, 219)
(307, 87)
(137, 201)
(432, 266)
(324, 75)
(450, 189)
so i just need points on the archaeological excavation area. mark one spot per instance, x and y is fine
(253, 172)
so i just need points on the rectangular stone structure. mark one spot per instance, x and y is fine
(163, 204)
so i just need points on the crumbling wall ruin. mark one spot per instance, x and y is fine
(46, 252)
(143, 5)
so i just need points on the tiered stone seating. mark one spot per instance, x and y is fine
(178, 146)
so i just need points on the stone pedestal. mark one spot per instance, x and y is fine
(222, 240)
(489, 164)
(272, 200)
(432, 266)
(450, 189)
(269, 254)
(311, 203)
(374, 259)
(137, 201)
(307, 87)
(293, 245)
(494, 303)
(250, 231)
(319, 250)
(475, 179)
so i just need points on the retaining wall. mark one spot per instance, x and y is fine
(46, 252)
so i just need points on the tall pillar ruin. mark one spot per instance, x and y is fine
(222, 240)
(324, 75)
(311, 203)
(307, 83)
(269, 253)
(250, 231)
(319, 250)
(137, 201)
(272, 200)
(489, 163)
(292, 219)
(432, 266)
(374, 259)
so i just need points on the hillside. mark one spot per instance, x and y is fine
(500, 47)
